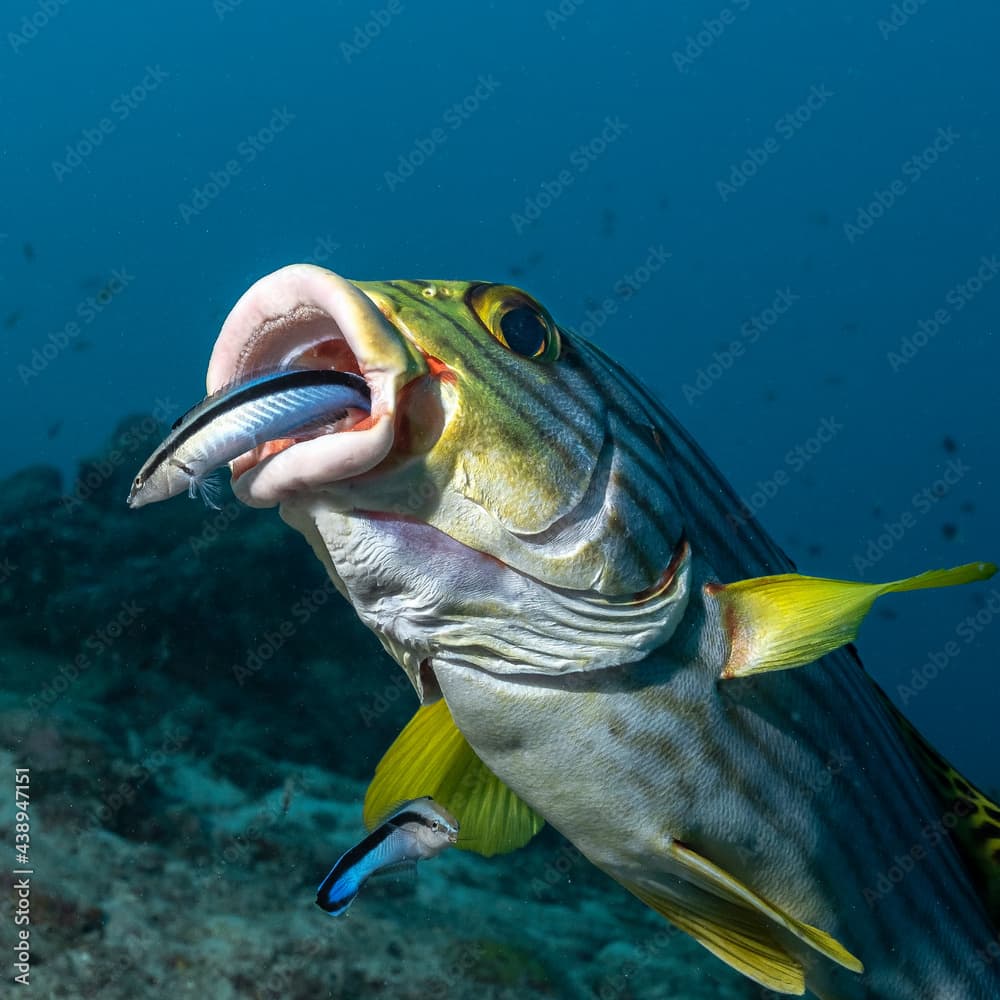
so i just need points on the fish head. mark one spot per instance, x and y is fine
(431, 826)
(157, 480)
(490, 474)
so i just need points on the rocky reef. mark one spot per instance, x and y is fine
(199, 713)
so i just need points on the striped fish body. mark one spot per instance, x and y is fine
(533, 509)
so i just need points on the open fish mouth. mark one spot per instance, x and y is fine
(303, 316)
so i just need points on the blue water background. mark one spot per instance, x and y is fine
(690, 95)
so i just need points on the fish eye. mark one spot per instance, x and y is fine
(435, 826)
(516, 321)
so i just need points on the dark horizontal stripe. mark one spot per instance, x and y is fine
(229, 399)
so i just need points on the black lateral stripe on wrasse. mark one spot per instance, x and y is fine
(224, 400)
(410, 817)
(363, 848)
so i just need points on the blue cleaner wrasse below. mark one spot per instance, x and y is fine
(417, 830)
(600, 639)
(243, 416)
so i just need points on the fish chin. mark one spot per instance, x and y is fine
(434, 601)
(306, 316)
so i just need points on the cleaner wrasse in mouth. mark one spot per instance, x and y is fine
(603, 638)
(417, 830)
(241, 416)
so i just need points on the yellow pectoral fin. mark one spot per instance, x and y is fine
(431, 757)
(778, 622)
(730, 933)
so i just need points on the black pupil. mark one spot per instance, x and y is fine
(524, 330)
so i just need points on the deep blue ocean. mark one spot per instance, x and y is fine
(783, 216)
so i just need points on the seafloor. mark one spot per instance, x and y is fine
(200, 713)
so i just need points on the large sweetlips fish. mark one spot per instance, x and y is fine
(601, 639)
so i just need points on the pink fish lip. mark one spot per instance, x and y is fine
(303, 315)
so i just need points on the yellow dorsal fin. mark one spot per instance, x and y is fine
(777, 622)
(703, 873)
(431, 757)
(731, 933)
(972, 819)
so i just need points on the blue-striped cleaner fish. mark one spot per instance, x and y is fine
(601, 638)
(415, 831)
(267, 407)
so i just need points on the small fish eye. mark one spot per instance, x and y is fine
(435, 826)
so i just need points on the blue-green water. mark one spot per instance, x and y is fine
(783, 216)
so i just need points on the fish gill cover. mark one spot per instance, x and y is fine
(783, 219)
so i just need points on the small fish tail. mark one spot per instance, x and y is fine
(336, 893)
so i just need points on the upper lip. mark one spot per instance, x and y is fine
(306, 315)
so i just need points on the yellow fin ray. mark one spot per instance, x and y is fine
(736, 924)
(431, 757)
(778, 622)
(710, 876)
(741, 941)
